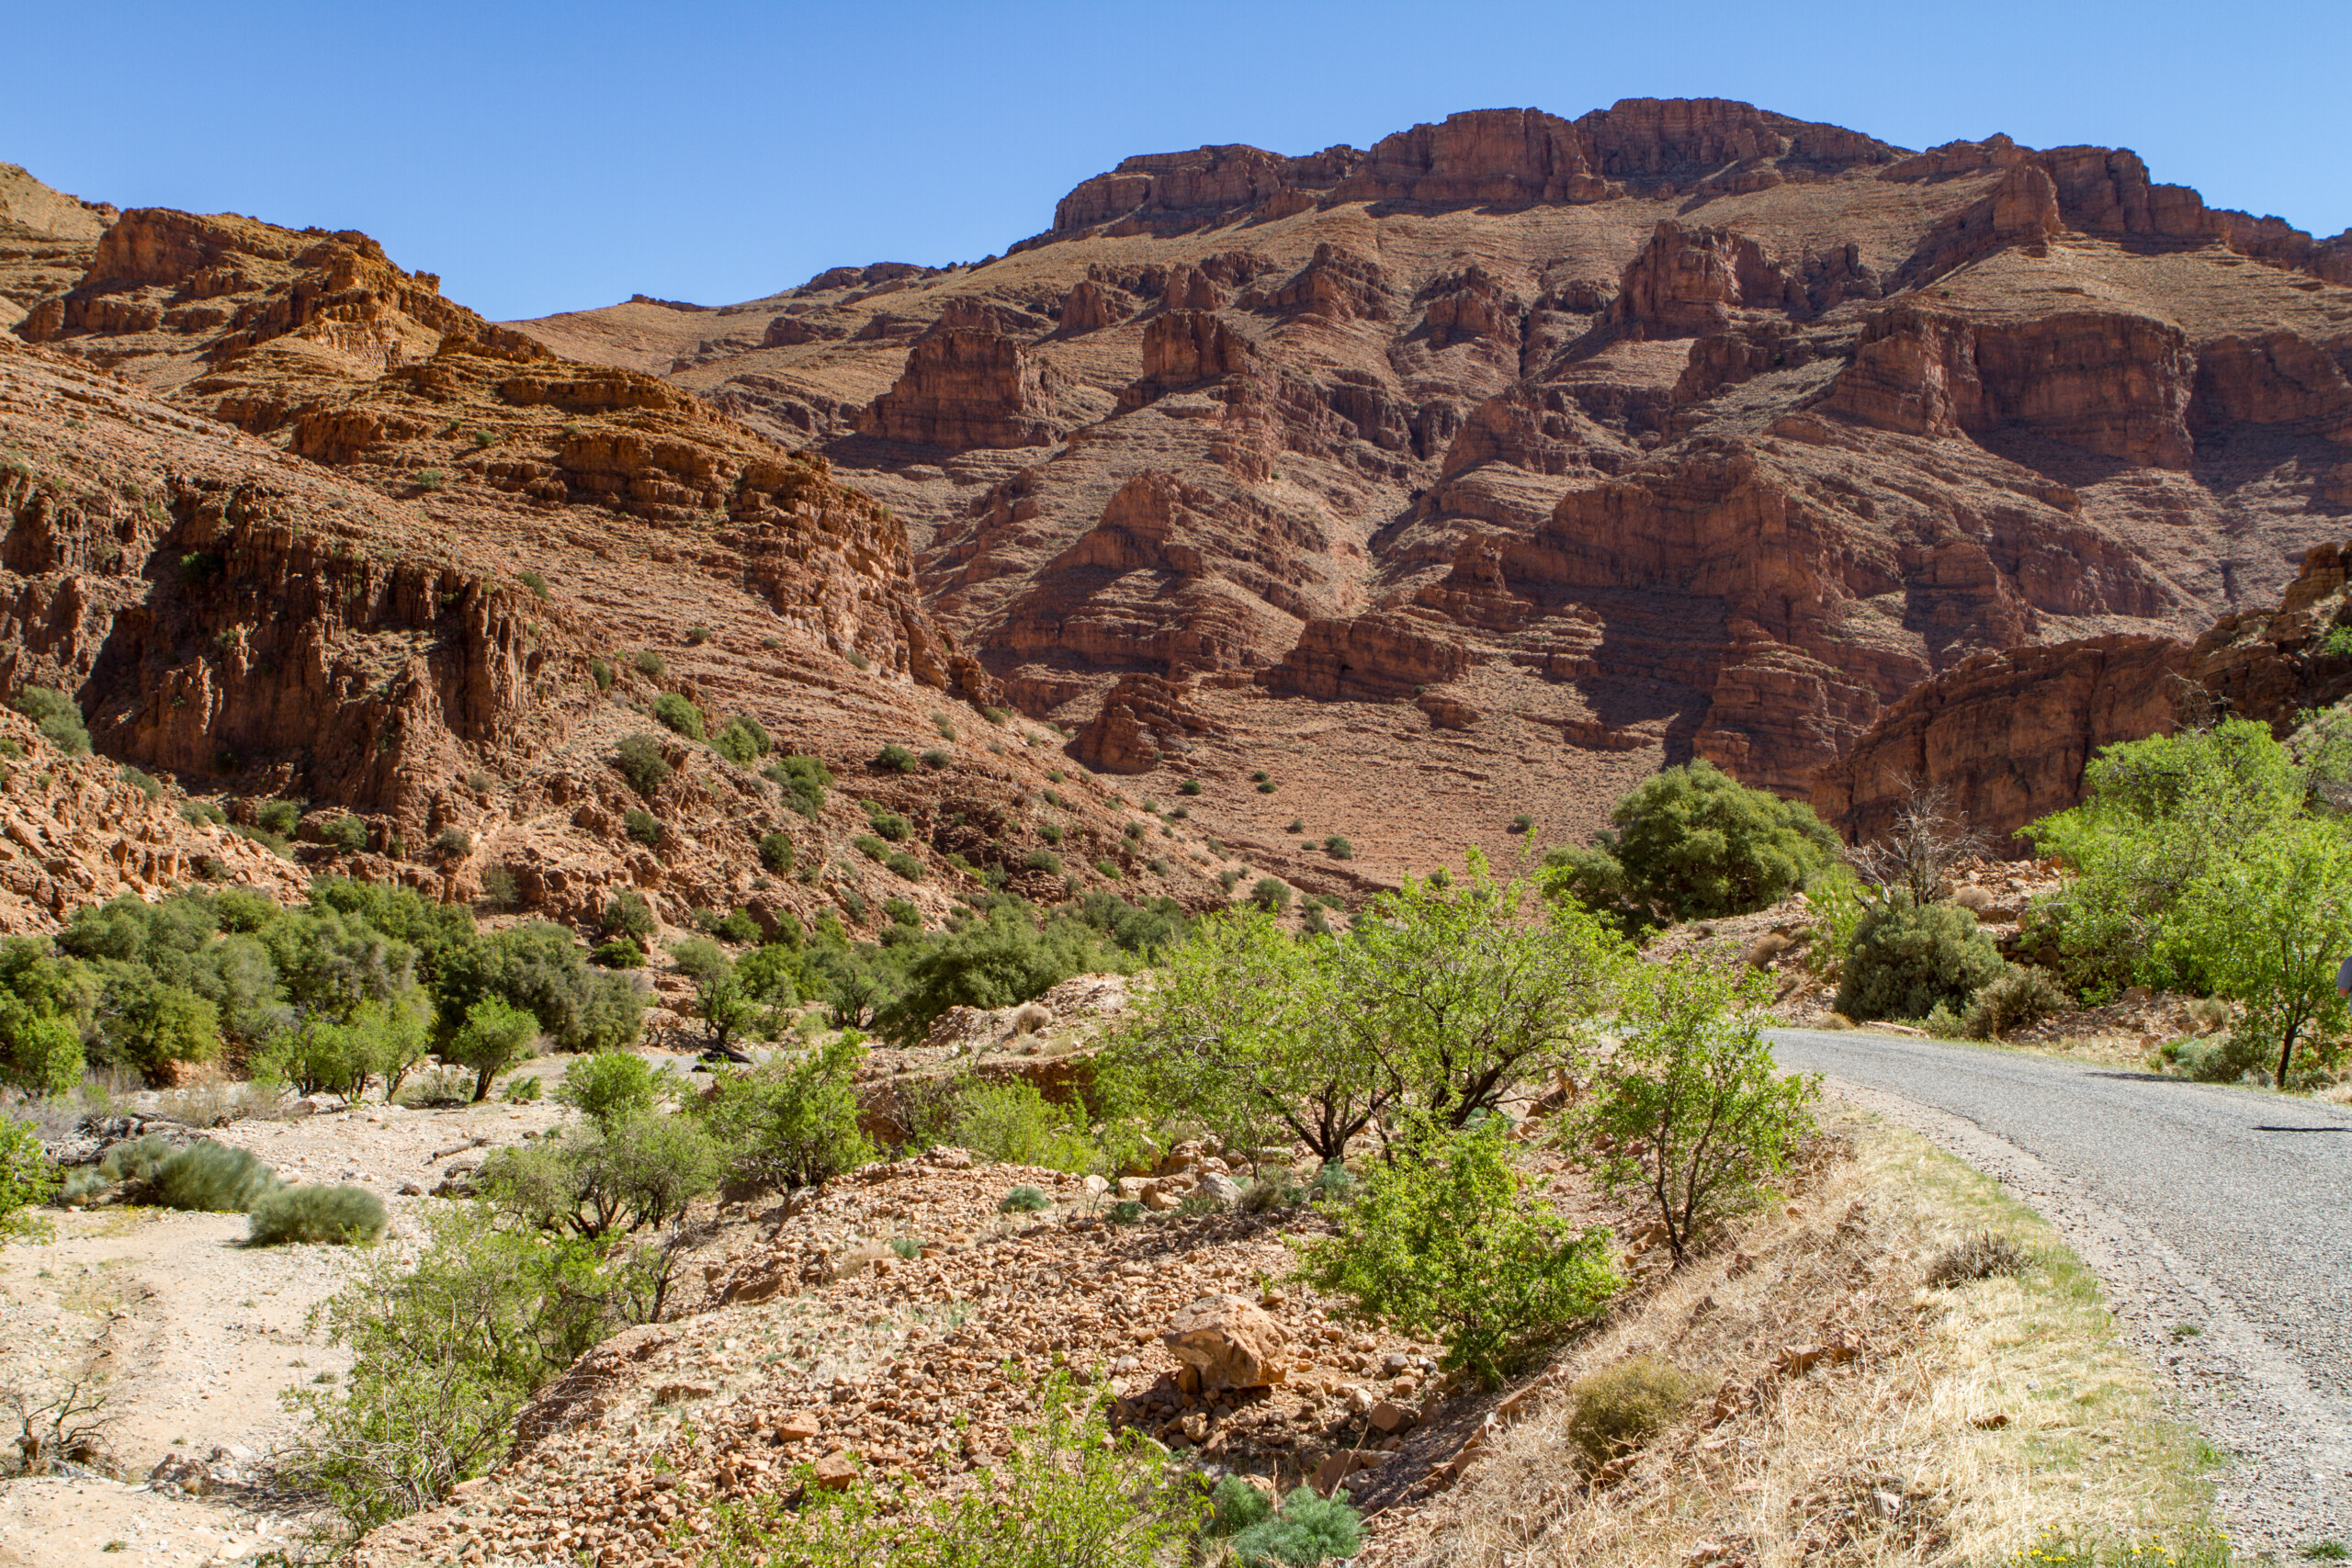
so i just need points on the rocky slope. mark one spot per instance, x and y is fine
(1481, 470)
(287, 524)
(2008, 733)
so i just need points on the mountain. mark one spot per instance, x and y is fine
(1468, 477)
(288, 524)
(1481, 470)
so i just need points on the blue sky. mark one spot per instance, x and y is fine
(546, 157)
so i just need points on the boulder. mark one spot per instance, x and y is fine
(1230, 1341)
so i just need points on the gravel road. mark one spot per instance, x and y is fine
(2220, 1219)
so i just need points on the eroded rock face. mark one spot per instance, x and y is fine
(964, 387)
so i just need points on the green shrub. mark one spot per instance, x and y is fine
(697, 634)
(1339, 848)
(535, 582)
(804, 781)
(445, 1353)
(347, 833)
(889, 824)
(1690, 843)
(1072, 1493)
(454, 844)
(27, 1178)
(936, 759)
(741, 739)
(1013, 1123)
(947, 730)
(1271, 894)
(675, 713)
(204, 1176)
(649, 664)
(1127, 1211)
(2015, 998)
(628, 915)
(895, 758)
(789, 1122)
(522, 1091)
(1026, 1200)
(619, 952)
(144, 783)
(600, 671)
(1622, 1406)
(638, 757)
(901, 913)
(642, 826)
(1266, 786)
(1235, 1506)
(1522, 823)
(1906, 960)
(1050, 831)
(1690, 1110)
(869, 846)
(775, 851)
(494, 1036)
(607, 1086)
(58, 718)
(1043, 860)
(1190, 786)
(331, 1217)
(904, 865)
(1309, 1530)
(280, 817)
(737, 927)
(1445, 1243)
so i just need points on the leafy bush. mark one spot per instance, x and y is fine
(1271, 894)
(889, 824)
(737, 926)
(1307, 1530)
(1690, 1109)
(650, 664)
(1043, 860)
(775, 851)
(25, 1176)
(635, 1169)
(331, 1217)
(1013, 1123)
(642, 827)
(697, 634)
(1070, 1491)
(1000, 962)
(2018, 996)
(444, 1356)
(804, 781)
(1622, 1406)
(144, 783)
(1026, 1200)
(947, 730)
(1690, 843)
(1189, 786)
(1906, 960)
(58, 717)
(43, 1001)
(628, 915)
(522, 1091)
(280, 817)
(1445, 1243)
(347, 833)
(607, 1086)
(741, 739)
(494, 1036)
(638, 757)
(600, 671)
(936, 759)
(1050, 831)
(787, 1123)
(675, 713)
(895, 758)
(535, 582)
(453, 844)
(904, 865)
(1339, 848)
(618, 953)
(202, 1177)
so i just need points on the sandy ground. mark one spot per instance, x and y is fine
(192, 1336)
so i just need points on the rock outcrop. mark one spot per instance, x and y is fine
(966, 386)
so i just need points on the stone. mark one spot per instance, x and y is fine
(1388, 1416)
(837, 1472)
(798, 1425)
(1230, 1341)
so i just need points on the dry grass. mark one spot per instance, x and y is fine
(1934, 1426)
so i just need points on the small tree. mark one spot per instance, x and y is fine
(1690, 843)
(1689, 1107)
(1928, 837)
(790, 1124)
(1241, 1032)
(494, 1036)
(2271, 925)
(1463, 996)
(607, 1086)
(1449, 1244)
(638, 757)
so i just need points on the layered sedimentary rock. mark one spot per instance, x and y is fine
(1557, 446)
(965, 387)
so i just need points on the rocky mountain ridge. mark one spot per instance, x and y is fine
(1464, 478)
(1569, 446)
